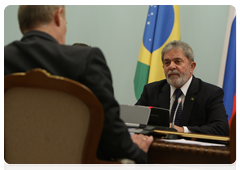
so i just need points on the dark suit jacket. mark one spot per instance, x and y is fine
(86, 65)
(203, 110)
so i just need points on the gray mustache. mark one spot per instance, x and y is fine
(173, 72)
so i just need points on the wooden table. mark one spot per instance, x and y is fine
(163, 152)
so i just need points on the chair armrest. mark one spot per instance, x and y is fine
(123, 164)
(128, 164)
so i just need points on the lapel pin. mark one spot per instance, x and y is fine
(192, 99)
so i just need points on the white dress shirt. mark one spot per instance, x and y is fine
(184, 89)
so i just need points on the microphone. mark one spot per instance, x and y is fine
(174, 115)
(172, 136)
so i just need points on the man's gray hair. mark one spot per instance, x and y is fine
(187, 50)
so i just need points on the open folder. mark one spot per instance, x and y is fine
(142, 119)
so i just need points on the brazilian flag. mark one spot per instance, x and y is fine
(162, 26)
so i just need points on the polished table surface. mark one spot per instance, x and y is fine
(164, 152)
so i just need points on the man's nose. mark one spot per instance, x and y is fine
(172, 66)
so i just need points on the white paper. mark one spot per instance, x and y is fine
(184, 141)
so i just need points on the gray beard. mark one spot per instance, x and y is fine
(179, 80)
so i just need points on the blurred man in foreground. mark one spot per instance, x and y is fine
(42, 46)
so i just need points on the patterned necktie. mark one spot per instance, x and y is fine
(178, 93)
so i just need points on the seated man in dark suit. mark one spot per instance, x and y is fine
(199, 105)
(42, 46)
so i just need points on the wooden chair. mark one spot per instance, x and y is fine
(50, 120)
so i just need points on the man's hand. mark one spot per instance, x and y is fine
(179, 129)
(142, 141)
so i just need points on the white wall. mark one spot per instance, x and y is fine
(118, 32)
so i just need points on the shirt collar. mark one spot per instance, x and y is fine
(184, 88)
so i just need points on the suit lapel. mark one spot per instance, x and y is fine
(189, 101)
(164, 97)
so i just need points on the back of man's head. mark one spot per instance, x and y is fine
(31, 16)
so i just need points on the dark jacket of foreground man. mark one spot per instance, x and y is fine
(83, 64)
